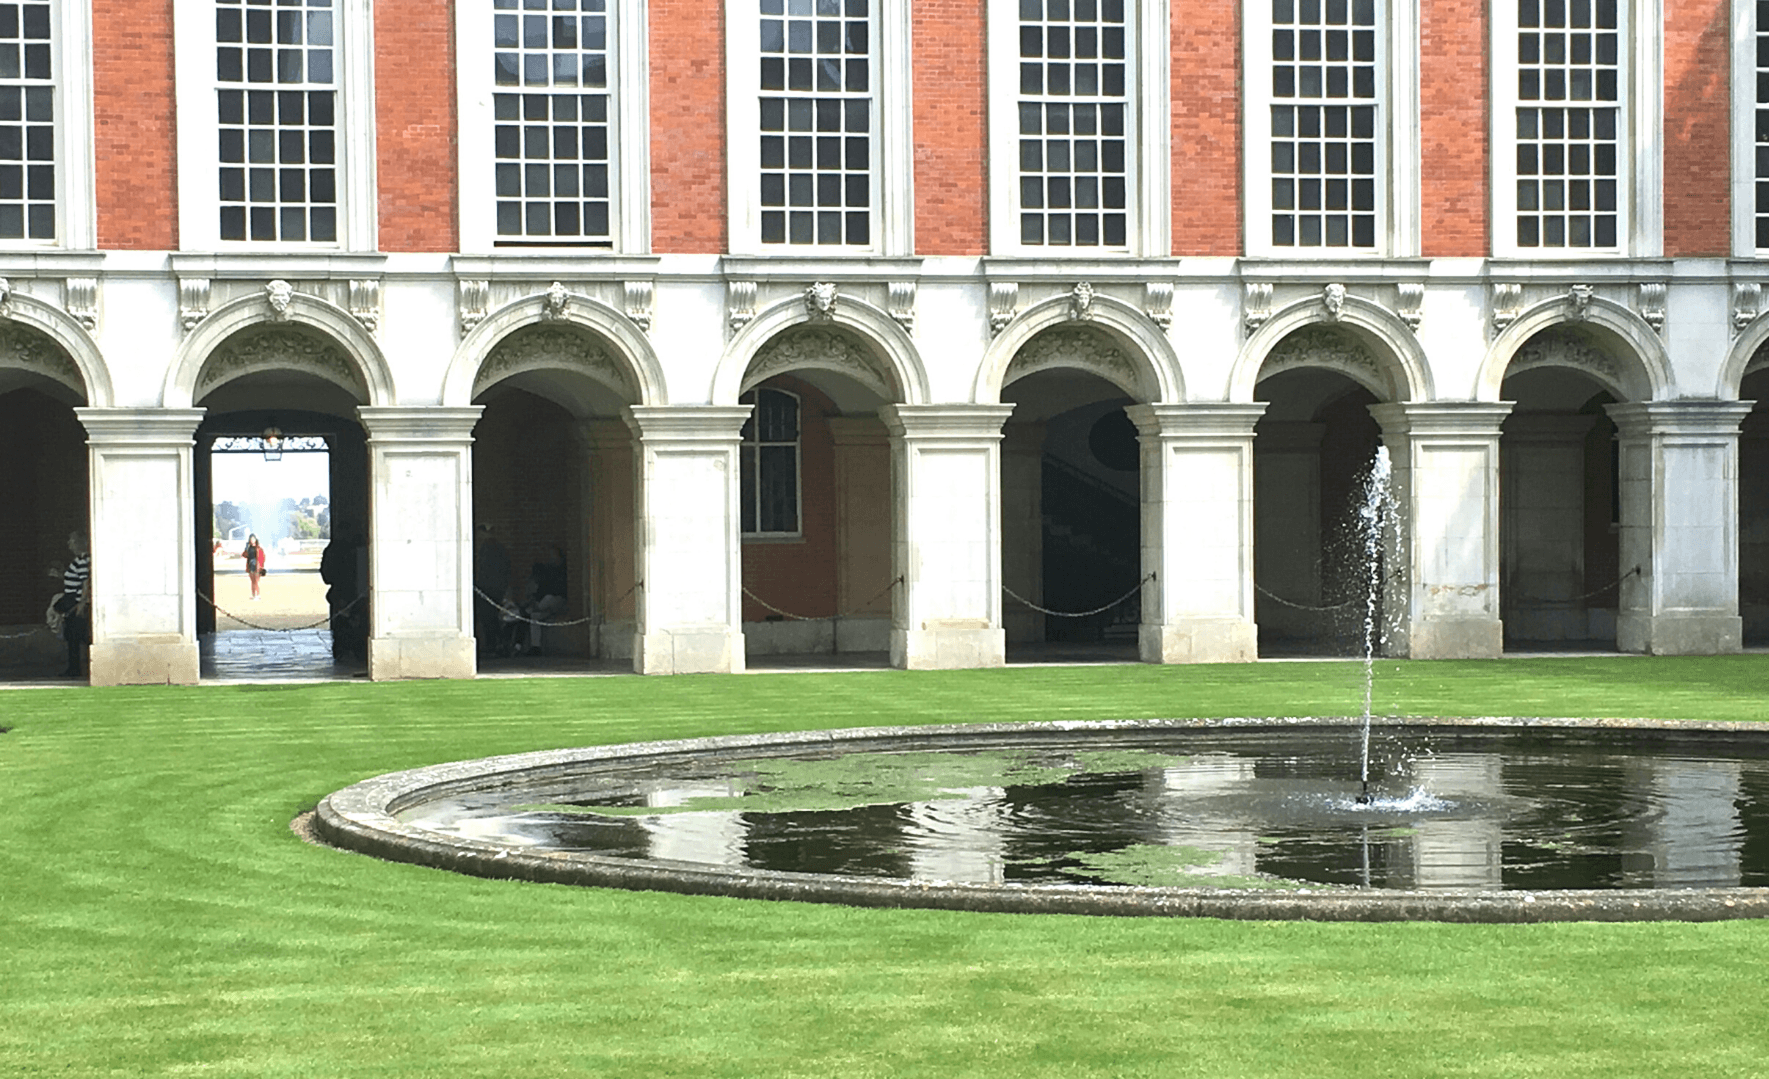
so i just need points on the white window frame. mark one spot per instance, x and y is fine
(1744, 131)
(629, 137)
(798, 465)
(1148, 136)
(893, 163)
(1639, 143)
(199, 141)
(1397, 136)
(76, 195)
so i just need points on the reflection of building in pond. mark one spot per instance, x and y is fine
(709, 838)
(786, 367)
(1691, 837)
(1466, 850)
(1188, 819)
(965, 837)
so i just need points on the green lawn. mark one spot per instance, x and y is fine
(157, 917)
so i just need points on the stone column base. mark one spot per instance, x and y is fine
(421, 657)
(1199, 640)
(1456, 638)
(144, 663)
(1680, 634)
(711, 651)
(948, 648)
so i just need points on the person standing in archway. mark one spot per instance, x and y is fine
(75, 604)
(254, 556)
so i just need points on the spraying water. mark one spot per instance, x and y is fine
(1374, 516)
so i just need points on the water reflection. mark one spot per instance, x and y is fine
(1240, 809)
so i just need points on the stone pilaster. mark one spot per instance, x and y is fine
(421, 547)
(1197, 532)
(1022, 528)
(144, 602)
(1445, 461)
(689, 614)
(1679, 525)
(947, 535)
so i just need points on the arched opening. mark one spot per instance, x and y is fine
(553, 503)
(44, 489)
(1560, 499)
(285, 395)
(817, 510)
(1753, 506)
(1071, 503)
(1312, 451)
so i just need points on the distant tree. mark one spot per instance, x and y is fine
(227, 518)
(321, 500)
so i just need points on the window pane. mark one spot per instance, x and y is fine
(1062, 176)
(1569, 81)
(1323, 148)
(824, 50)
(27, 123)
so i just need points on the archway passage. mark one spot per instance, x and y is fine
(1312, 452)
(553, 504)
(299, 383)
(1753, 509)
(817, 510)
(43, 487)
(1071, 530)
(1560, 506)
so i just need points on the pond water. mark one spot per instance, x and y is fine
(1273, 809)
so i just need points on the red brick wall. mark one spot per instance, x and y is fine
(951, 133)
(1697, 128)
(134, 138)
(1454, 198)
(415, 125)
(687, 128)
(43, 487)
(801, 576)
(1206, 128)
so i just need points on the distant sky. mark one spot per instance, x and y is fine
(258, 486)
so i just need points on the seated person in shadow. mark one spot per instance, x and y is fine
(546, 595)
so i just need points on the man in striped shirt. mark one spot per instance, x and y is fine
(76, 603)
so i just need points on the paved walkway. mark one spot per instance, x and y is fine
(254, 655)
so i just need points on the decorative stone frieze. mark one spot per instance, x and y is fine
(1747, 301)
(193, 301)
(23, 347)
(1157, 303)
(472, 302)
(1649, 299)
(538, 347)
(821, 299)
(278, 349)
(1004, 304)
(556, 302)
(639, 298)
(280, 295)
(740, 303)
(1411, 305)
(1333, 299)
(1255, 306)
(80, 298)
(1323, 346)
(1563, 348)
(1081, 301)
(1507, 304)
(818, 349)
(1076, 347)
(365, 302)
(900, 301)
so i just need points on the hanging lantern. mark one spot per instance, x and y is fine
(273, 443)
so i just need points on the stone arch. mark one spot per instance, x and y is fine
(75, 360)
(296, 331)
(1134, 354)
(578, 333)
(1635, 366)
(1745, 356)
(1376, 349)
(888, 362)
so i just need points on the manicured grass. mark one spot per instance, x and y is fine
(158, 918)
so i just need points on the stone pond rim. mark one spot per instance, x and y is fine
(362, 818)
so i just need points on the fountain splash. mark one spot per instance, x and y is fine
(1375, 515)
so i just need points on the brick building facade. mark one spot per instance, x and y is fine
(857, 325)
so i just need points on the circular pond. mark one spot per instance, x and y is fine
(1471, 820)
